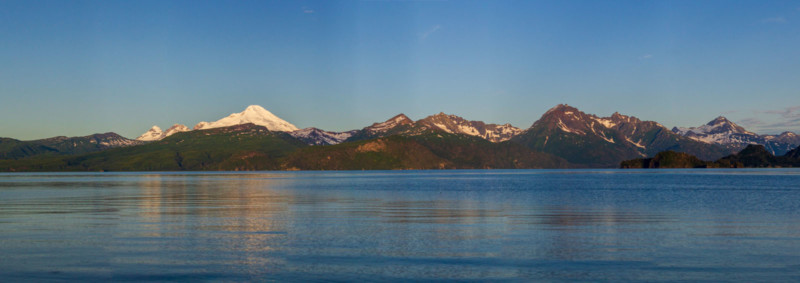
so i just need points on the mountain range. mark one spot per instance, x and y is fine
(16, 149)
(723, 132)
(562, 137)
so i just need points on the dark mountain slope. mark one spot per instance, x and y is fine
(431, 150)
(16, 149)
(752, 156)
(592, 141)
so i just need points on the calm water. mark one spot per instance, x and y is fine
(516, 225)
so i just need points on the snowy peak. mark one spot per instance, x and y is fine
(254, 114)
(720, 127)
(314, 136)
(566, 119)
(110, 140)
(457, 125)
(726, 133)
(153, 134)
(201, 125)
(787, 135)
(256, 109)
(718, 121)
(561, 108)
(722, 124)
(177, 128)
(399, 120)
(621, 119)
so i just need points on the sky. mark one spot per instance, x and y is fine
(75, 68)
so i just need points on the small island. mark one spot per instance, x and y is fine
(752, 156)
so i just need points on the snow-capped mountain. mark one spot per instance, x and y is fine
(253, 114)
(785, 137)
(583, 138)
(395, 125)
(314, 136)
(62, 145)
(155, 133)
(719, 131)
(383, 127)
(563, 130)
(456, 125)
(724, 132)
(177, 128)
(101, 141)
(616, 129)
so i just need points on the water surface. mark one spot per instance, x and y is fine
(495, 225)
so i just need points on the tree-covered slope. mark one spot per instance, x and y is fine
(752, 156)
(431, 150)
(250, 147)
(16, 149)
(242, 147)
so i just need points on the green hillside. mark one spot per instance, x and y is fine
(16, 149)
(244, 147)
(250, 147)
(432, 150)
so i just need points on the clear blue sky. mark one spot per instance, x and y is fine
(82, 67)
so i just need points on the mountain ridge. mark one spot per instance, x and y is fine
(728, 134)
(62, 145)
(580, 139)
(258, 148)
(594, 141)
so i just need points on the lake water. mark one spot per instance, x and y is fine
(488, 225)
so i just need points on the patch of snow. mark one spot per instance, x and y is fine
(442, 127)
(603, 136)
(635, 143)
(606, 122)
(314, 136)
(177, 128)
(564, 128)
(469, 130)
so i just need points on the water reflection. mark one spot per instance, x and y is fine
(383, 226)
(241, 215)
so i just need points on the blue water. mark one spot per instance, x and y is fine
(486, 225)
